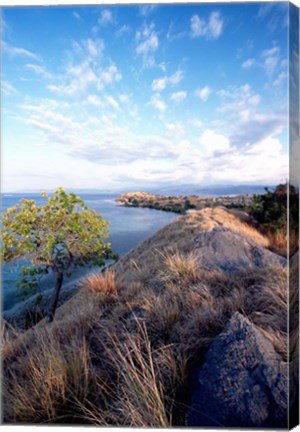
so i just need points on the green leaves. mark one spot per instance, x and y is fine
(60, 235)
(270, 209)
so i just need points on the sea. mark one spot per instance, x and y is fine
(127, 228)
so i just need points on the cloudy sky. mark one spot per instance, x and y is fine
(127, 96)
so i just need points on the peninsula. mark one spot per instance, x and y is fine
(180, 204)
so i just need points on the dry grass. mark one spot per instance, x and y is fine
(236, 221)
(102, 283)
(281, 244)
(56, 378)
(143, 398)
(180, 268)
(119, 353)
(278, 242)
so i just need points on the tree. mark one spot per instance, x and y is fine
(57, 237)
(270, 209)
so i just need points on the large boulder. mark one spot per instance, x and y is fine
(242, 382)
(229, 250)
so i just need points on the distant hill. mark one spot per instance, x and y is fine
(167, 189)
(211, 190)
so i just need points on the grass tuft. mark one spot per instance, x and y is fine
(180, 267)
(102, 283)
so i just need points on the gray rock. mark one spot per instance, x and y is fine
(242, 383)
(225, 249)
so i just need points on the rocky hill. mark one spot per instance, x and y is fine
(188, 329)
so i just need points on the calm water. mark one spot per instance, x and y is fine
(128, 227)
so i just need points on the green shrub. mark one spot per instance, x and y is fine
(270, 209)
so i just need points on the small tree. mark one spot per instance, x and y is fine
(58, 237)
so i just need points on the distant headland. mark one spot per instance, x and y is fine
(181, 203)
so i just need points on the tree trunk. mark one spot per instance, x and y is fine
(54, 299)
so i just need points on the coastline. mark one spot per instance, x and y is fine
(180, 204)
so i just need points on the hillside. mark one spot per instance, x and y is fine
(180, 204)
(123, 350)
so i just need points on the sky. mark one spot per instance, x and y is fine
(124, 97)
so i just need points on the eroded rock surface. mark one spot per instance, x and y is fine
(242, 383)
(228, 250)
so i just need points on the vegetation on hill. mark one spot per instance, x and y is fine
(121, 351)
(179, 204)
(270, 210)
(56, 237)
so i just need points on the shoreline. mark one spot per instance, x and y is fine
(181, 204)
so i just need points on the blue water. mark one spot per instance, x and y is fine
(128, 227)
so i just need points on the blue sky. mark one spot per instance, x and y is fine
(114, 97)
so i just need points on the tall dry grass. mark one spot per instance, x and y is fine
(120, 352)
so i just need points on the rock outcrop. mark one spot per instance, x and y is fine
(242, 382)
(228, 250)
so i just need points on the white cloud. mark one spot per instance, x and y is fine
(212, 143)
(238, 100)
(178, 96)
(110, 75)
(40, 70)
(157, 103)
(101, 142)
(88, 49)
(264, 9)
(86, 72)
(77, 80)
(175, 129)
(183, 149)
(254, 100)
(257, 127)
(262, 162)
(147, 9)
(124, 98)
(282, 78)
(76, 15)
(248, 63)
(161, 83)
(244, 115)
(147, 43)
(7, 89)
(94, 100)
(270, 59)
(150, 44)
(163, 66)
(198, 26)
(105, 119)
(94, 47)
(105, 17)
(203, 93)
(196, 122)
(275, 16)
(212, 28)
(215, 25)
(13, 51)
(112, 102)
(47, 118)
(268, 147)
(176, 77)
(123, 30)
(174, 34)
